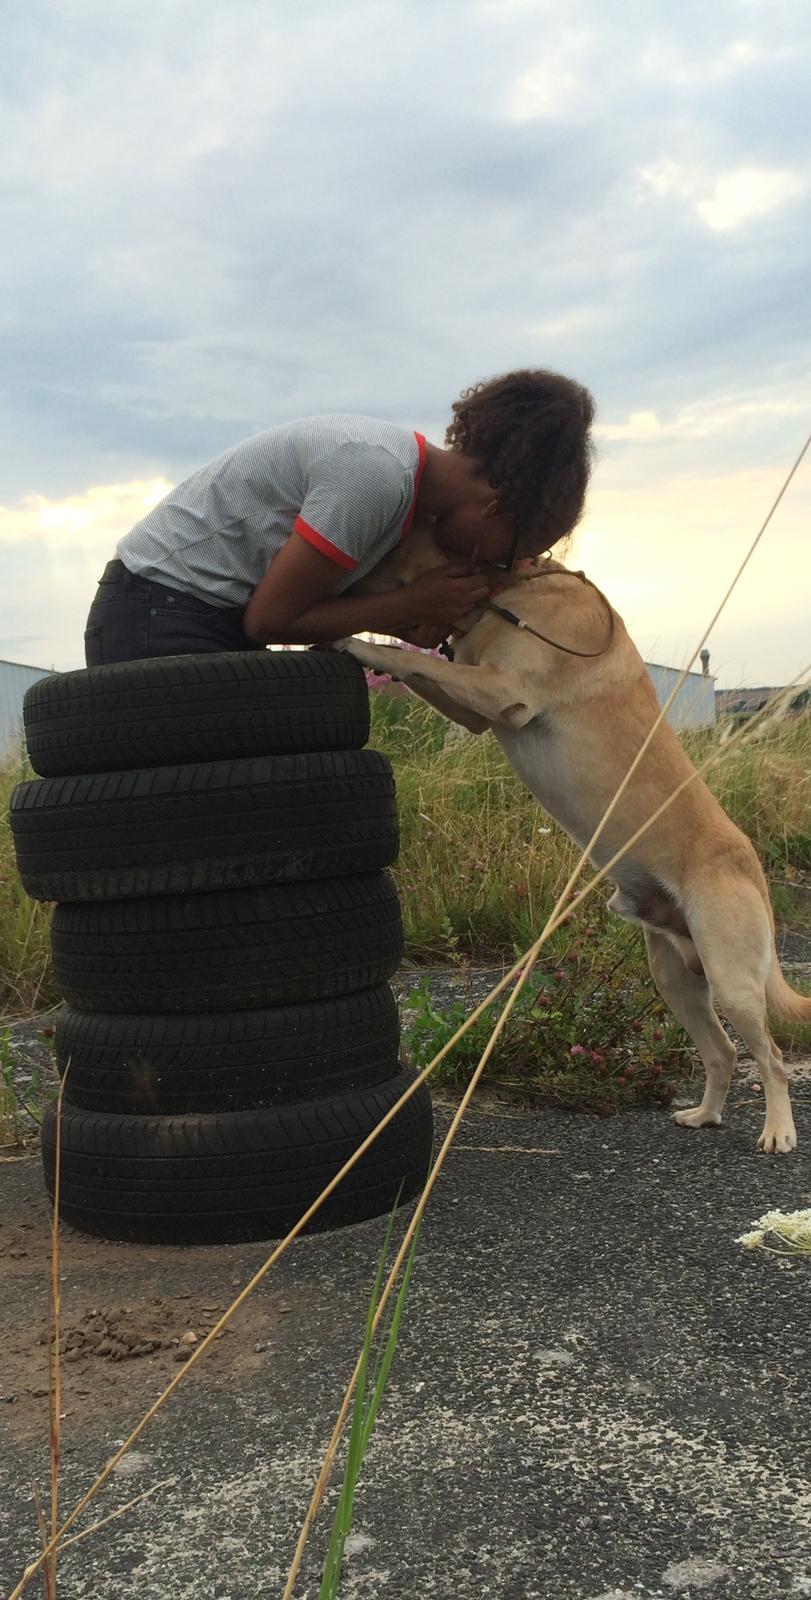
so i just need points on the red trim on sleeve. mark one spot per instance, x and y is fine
(417, 475)
(326, 546)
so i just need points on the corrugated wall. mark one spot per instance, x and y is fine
(14, 680)
(694, 705)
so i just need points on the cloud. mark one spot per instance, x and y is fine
(552, 87)
(217, 218)
(744, 414)
(729, 199)
(666, 551)
(211, 229)
(87, 520)
(52, 554)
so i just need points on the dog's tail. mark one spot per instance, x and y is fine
(784, 1001)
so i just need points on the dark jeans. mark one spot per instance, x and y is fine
(134, 617)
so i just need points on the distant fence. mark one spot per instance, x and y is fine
(14, 680)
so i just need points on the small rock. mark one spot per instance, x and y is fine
(356, 1542)
(189, 1337)
(554, 1358)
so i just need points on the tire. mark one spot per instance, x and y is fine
(228, 1060)
(240, 1175)
(195, 708)
(213, 825)
(240, 947)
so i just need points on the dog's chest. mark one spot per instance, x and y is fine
(536, 757)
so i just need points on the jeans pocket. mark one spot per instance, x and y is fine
(92, 647)
(173, 632)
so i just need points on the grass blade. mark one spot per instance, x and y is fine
(363, 1413)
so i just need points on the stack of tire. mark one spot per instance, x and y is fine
(223, 934)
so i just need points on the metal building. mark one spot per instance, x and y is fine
(14, 680)
(694, 705)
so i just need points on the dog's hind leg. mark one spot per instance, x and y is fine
(747, 1013)
(736, 948)
(688, 996)
(744, 1005)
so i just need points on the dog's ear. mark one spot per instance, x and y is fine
(517, 715)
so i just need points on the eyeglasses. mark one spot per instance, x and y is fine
(506, 565)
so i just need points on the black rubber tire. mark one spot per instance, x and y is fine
(212, 825)
(238, 1176)
(239, 947)
(195, 708)
(228, 1060)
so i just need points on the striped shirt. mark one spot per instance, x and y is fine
(346, 484)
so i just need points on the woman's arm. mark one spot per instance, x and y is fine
(296, 603)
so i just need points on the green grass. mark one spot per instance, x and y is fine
(590, 1033)
(21, 1108)
(375, 1364)
(26, 980)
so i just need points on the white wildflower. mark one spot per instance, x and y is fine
(792, 1230)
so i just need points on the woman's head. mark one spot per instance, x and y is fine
(528, 434)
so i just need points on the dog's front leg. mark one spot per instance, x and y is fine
(431, 693)
(492, 694)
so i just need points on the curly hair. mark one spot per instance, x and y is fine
(528, 433)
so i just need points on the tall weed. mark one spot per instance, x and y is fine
(26, 980)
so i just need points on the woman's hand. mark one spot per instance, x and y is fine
(442, 596)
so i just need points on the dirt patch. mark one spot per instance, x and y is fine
(130, 1331)
(116, 1359)
(121, 1343)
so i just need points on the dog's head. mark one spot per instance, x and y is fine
(413, 556)
(420, 551)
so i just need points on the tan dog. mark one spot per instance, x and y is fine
(570, 725)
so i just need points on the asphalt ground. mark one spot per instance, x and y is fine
(597, 1394)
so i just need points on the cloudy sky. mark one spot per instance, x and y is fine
(220, 216)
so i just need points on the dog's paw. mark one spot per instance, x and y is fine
(697, 1117)
(778, 1139)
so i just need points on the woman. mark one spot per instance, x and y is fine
(259, 546)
